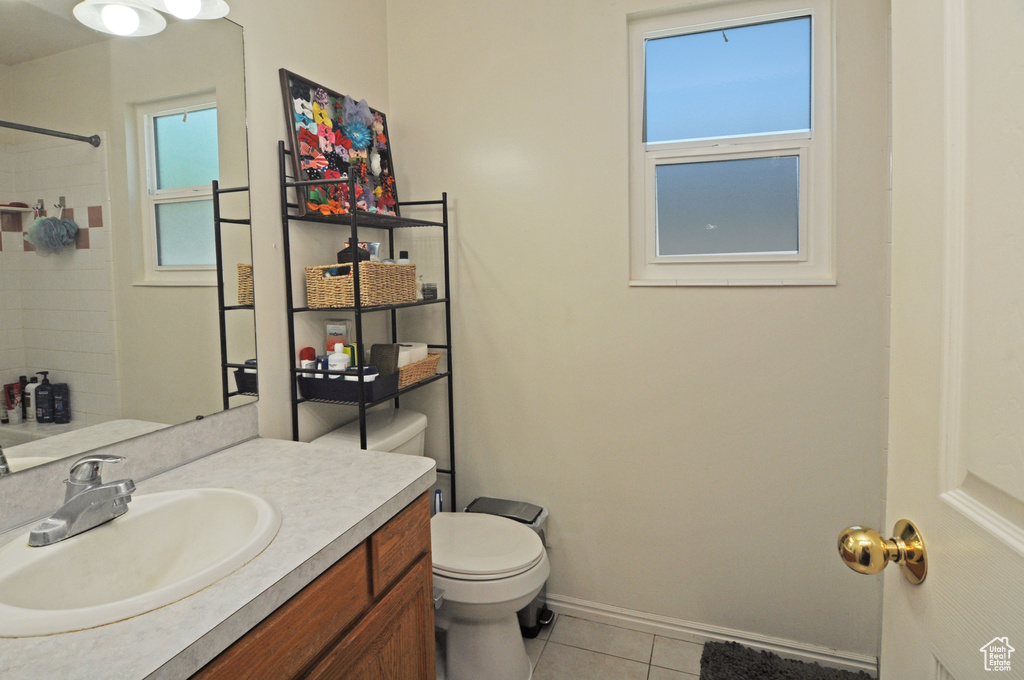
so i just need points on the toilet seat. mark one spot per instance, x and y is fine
(481, 547)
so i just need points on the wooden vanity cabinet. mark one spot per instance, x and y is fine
(370, 616)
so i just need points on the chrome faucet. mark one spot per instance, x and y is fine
(5, 469)
(88, 502)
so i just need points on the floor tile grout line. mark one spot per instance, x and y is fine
(594, 651)
(539, 656)
(650, 663)
(653, 637)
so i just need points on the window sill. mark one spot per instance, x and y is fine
(189, 283)
(731, 283)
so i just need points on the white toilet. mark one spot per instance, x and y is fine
(489, 567)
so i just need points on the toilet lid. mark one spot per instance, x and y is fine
(475, 545)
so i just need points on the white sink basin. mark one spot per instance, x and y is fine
(166, 547)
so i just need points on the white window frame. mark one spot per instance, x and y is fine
(814, 261)
(152, 273)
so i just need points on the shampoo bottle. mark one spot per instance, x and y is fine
(28, 398)
(23, 382)
(44, 400)
(61, 403)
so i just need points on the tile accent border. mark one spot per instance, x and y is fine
(683, 630)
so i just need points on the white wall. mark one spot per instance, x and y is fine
(699, 449)
(159, 321)
(354, 61)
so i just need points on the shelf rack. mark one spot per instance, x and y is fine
(225, 366)
(355, 220)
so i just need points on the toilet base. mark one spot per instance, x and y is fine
(483, 650)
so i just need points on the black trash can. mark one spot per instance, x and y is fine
(535, 615)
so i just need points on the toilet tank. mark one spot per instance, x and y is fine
(397, 430)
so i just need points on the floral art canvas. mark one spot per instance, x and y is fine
(332, 137)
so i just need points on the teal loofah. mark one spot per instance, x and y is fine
(51, 233)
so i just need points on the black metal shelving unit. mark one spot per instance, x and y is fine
(222, 308)
(354, 221)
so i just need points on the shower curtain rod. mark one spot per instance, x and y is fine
(94, 140)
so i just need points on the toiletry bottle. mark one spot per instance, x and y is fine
(23, 381)
(337, 360)
(345, 255)
(307, 359)
(44, 400)
(61, 403)
(12, 400)
(403, 257)
(28, 398)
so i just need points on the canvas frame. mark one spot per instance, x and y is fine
(322, 151)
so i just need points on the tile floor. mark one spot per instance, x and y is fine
(575, 649)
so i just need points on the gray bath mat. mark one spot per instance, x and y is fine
(733, 661)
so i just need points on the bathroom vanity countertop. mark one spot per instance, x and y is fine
(71, 439)
(330, 502)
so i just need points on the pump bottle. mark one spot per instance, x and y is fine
(44, 400)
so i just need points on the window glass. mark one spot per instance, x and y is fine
(186, 149)
(750, 205)
(744, 80)
(184, 233)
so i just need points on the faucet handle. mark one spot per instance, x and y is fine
(87, 469)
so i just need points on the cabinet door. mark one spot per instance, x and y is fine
(394, 641)
(291, 639)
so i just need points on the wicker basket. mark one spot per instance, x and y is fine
(379, 284)
(245, 296)
(419, 370)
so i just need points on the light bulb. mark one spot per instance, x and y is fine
(120, 19)
(184, 9)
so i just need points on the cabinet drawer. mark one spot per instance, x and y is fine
(288, 641)
(399, 543)
(394, 641)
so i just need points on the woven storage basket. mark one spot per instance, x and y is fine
(245, 284)
(379, 284)
(417, 371)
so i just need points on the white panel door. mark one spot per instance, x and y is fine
(956, 458)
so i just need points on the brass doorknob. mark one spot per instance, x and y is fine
(866, 552)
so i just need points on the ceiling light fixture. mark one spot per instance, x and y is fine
(120, 17)
(191, 9)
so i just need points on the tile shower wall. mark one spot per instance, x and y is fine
(12, 345)
(57, 310)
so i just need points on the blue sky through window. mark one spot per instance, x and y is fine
(701, 85)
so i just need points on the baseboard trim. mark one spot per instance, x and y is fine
(669, 627)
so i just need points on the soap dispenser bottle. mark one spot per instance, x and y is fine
(44, 400)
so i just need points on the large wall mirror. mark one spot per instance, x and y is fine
(128, 315)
